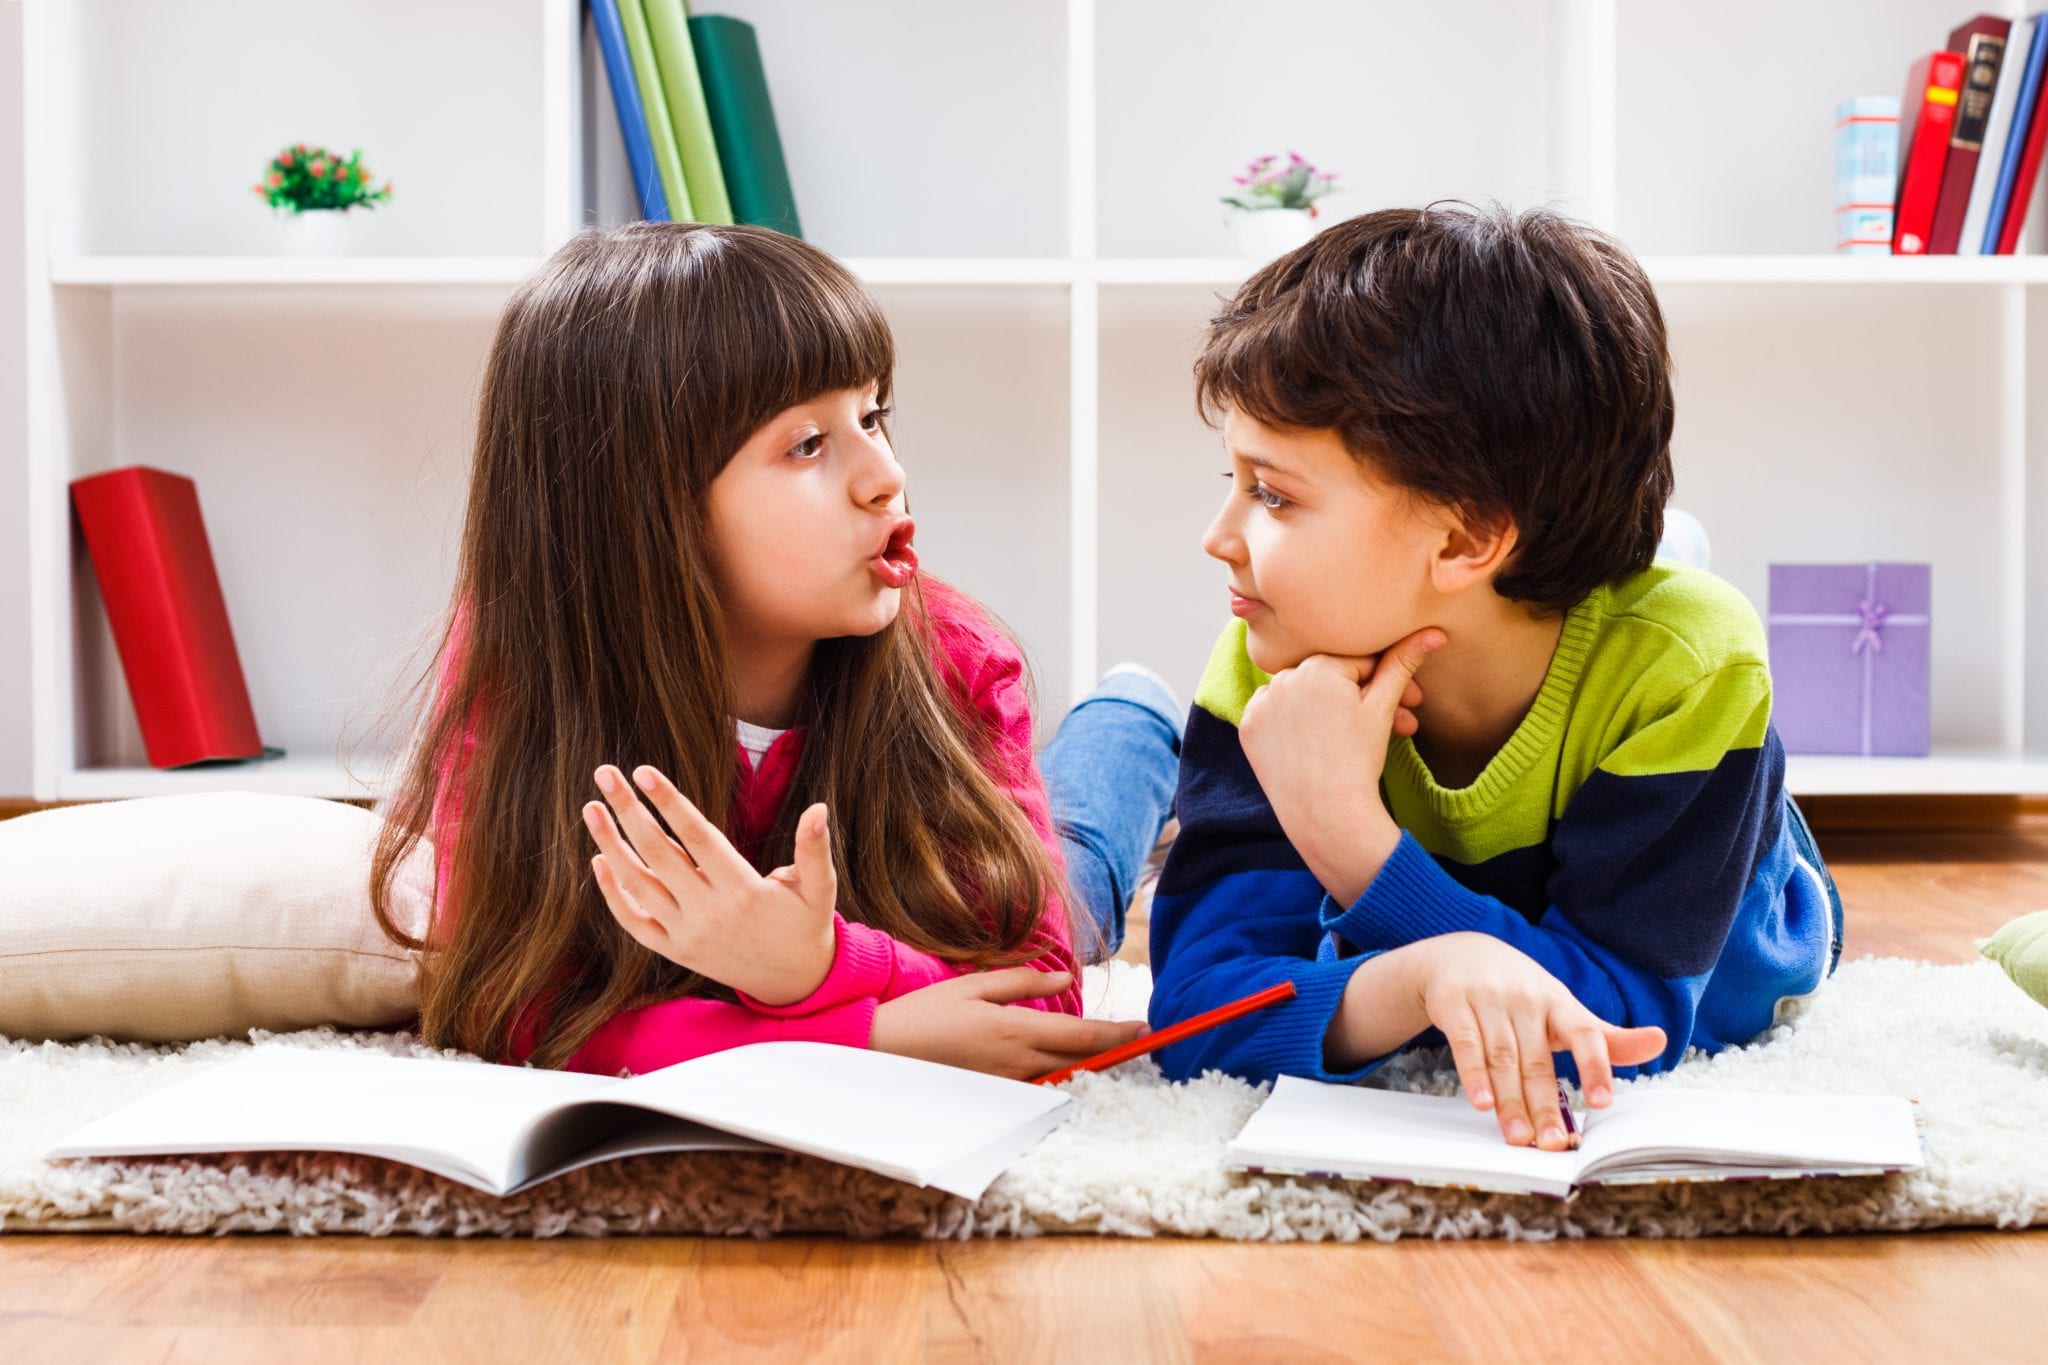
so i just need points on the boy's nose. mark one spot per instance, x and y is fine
(1221, 540)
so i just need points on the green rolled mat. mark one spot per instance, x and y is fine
(743, 122)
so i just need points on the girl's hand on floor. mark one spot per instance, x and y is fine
(968, 1021)
(701, 905)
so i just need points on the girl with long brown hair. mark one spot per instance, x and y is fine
(688, 589)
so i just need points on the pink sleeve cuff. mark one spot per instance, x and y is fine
(862, 968)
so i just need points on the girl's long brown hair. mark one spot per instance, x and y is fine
(625, 373)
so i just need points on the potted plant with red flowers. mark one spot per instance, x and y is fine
(312, 190)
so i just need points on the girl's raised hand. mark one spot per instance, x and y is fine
(968, 1021)
(701, 905)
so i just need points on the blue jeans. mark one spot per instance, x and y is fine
(1110, 774)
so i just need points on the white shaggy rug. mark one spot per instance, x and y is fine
(1139, 1158)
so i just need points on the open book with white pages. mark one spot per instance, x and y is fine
(1647, 1135)
(503, 1129)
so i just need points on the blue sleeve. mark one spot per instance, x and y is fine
(1652, 868)
(1235, 912)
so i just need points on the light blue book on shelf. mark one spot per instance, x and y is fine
(1866, 173)
(2033, 39)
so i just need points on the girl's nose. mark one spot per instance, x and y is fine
(880, 480)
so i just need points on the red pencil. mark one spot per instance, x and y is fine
(1173, 1033)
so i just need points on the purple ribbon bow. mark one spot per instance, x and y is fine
(1870, 617)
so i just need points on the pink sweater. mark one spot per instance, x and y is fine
(986, 672)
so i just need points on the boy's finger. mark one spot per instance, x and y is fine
(1396, 671)
(1470, 1056)
(1588, 1044)
(1634, 1046)
(1504, 1076)
(1539, 1080)
(1405, 722)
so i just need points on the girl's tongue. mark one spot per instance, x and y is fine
(897, 564)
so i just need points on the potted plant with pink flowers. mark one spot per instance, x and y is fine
(1276, 204)
(313, 189)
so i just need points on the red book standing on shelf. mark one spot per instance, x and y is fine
(1927, 115)
(170, 622)
(1982, 43)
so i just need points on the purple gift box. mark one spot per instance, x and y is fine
(1849, 657)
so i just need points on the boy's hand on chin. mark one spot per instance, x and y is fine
(1316, 737)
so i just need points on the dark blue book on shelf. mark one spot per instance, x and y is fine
(2035, 36)
(618, 66)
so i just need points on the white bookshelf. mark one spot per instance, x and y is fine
(1031, 190)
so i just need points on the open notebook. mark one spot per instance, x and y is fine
(503, 1129)
(1645, 1135)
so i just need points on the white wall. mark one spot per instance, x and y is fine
(15, 718)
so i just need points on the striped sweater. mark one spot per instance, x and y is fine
(1633, 836)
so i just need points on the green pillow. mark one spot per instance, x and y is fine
(2021, 947)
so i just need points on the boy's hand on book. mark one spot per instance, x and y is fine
(701, 905)
(968, 1021)
(1316, 737)
(1504, 1015)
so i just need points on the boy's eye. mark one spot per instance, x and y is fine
(1265, 497)
(1260, 494)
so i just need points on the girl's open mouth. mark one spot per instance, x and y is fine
(896, 565)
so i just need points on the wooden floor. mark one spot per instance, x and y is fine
(1967, 1296)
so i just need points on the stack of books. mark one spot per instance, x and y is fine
(693, 108)
(1970, 135)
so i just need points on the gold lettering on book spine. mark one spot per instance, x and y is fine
(1973, 111)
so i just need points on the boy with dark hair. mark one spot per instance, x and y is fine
(1450, 441)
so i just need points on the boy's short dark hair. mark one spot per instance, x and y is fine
(1505, 364)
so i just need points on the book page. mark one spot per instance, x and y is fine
(1676, 1130)
(908, 1119)
(1310, 1128)
(457, 1118)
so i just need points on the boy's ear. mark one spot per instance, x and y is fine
(1472, 552)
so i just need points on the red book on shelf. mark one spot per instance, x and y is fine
(1927, 115)
(170, 622)
(2023, 180)
(1982, 43)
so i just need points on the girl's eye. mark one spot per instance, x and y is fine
(808, 446)
(873, 420)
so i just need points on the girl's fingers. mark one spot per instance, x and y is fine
(1081, 1038)
(1539, 1078)
(664, 857)
(645, 929)
(708, 847)
(1017, 983)
(646, 888)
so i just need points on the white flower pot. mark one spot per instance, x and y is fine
(1265, 233)
(315, 232)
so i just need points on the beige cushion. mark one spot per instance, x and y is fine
(172, 918)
